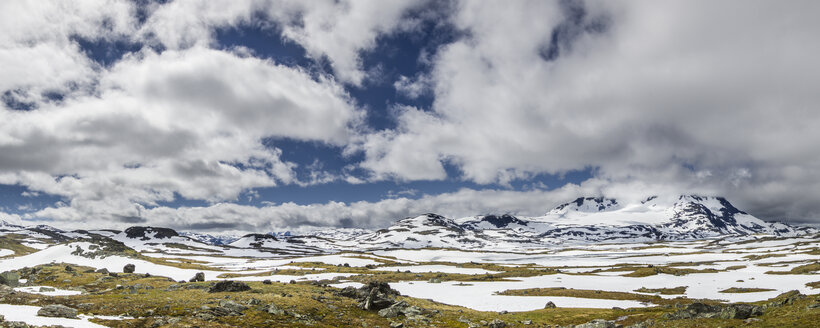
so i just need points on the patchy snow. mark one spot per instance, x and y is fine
(28, 314)
(481, 296)
(6, 252)
(35, 245)
(62, 254)
(437, 268)
(288, 278)
(55, 292)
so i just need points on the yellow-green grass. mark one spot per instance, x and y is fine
(663, 291)
(810, 268)
(14, 242)
(596, 294)
(322, 308)
(745, 290)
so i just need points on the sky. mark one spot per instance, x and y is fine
(271, 115)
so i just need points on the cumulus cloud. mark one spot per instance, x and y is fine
(637, 89)
(237, 218)
(653, 97)
(334, 30)
(187, 123)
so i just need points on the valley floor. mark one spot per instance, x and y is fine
(643, 285)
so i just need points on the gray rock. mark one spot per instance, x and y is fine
(57, 311)
(198, 277)
(10, 278)
(47, 289)
(129, 268)
(550, 305)
(275, 310)
(102, 270)
(229, 286)
(728, 311)
(597, 323)
(233, 306)
(399, 309)
(497, 324)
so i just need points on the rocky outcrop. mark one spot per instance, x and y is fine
(374, 296)
(198, 277)
(229, 286)
(728, 311)
(57, 311)
(10, 278)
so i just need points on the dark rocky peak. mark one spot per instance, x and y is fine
(147, 233)
(651, 198)
(260, 237)
(589, 203)
(502, 221)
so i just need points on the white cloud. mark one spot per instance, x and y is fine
(336, 30)
(187, 122)
(666, 87)
(290, 216)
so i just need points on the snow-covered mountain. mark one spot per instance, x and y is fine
(583, 220)
(588, 219)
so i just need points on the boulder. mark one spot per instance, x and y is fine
(10, 278)
(740, 311)
(129, 268)
(57, 311)
(275, 310)
(728, 311)
(198, 277)
(597, 323)
(550, 305)
(232, 306)
(374, 296)
(497, 324)
(229, 286)
(45, 289)
(102, 270)
(399, 309)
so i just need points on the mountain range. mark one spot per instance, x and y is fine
(583, 220)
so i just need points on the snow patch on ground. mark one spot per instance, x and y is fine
(6, 252)
(55, 292)
(28, 314)
(437, 268)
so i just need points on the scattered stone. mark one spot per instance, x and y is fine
(57, 311)
(526, 322)
(233, 306)
(396, 325)
(275, 310)
(398, 309)
(751, 320)
(497, 324)
(597, 323)
(129, 268)
(434, 280)
(10, 278)
(374, 296)
(198, 277)
(550, 305)
(728, 311)
(45, 289)
(102, 270)
(68, 268)
(229, 286)
(267, 282)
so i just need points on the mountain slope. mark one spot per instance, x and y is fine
(583, 220)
